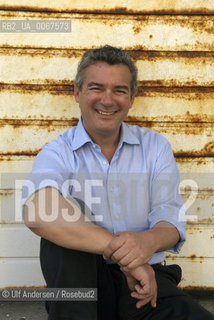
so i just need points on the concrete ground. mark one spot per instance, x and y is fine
(36, 310)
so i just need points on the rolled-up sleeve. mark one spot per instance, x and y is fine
(166, 202)
(48, 171)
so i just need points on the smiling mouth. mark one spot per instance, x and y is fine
(105, 113)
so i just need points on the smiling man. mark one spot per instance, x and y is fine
(105, 98)
(105, 203)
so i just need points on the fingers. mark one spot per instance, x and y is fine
(154, 301)
(114, 245)
(142, 303)
(144, 299)
(146, 293)
(128, 250)
(131, 282)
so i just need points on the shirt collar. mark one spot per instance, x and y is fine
(127, 136)
(81, 137)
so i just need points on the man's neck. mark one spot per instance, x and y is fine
(107, 144)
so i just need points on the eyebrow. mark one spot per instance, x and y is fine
(91, 84)
(122, 87)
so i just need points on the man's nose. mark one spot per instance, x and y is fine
(107, 98)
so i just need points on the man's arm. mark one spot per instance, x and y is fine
(133, 249)
(79, 234)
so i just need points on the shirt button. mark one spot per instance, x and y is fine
(104, 162)
(117, 218)
(94, 146)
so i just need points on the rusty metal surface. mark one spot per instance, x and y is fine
(173, 45)
(155, 68)
(114, 6)
(51, 102)
(197, 273)
(28, 136)
(174, 33)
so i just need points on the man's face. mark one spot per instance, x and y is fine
(105, 99)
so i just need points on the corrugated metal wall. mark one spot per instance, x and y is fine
(173, 44)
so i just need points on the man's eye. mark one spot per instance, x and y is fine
(121, 91)
(95, 89)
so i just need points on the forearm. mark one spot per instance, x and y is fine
(79, 234)
(163, 236)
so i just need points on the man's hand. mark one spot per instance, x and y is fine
(130, 249)
(142, 283)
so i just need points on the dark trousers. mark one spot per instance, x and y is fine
(64, 268)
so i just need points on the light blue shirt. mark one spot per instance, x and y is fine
(136, 190)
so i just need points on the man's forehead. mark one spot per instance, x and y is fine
(98, 73)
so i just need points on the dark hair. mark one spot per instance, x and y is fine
(111, 55)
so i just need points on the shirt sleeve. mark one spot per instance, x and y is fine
(166, 202)
(48, 171)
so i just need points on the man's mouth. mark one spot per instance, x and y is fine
(104, 113)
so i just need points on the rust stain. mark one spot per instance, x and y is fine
(190, 154)
(198, 162)
(43, 52)
(152, 55)
(197, 288)
(115, 10)
(24, 287)
(136, 28)
(172, 83)
(209, 147)
(6, 193)
(205, 221)
(28, 153)
(175, 89)
(42, 123)
(52, 89)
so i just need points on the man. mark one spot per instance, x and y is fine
(128, 179)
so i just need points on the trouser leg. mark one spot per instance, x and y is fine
(64, 268)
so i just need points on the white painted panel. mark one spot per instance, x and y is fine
(199, 244)
(39, 104)
(195, 165)
(197, 273)
(20, 272)
(18, 241)
(15, 164)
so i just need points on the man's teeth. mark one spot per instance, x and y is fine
(106, 113)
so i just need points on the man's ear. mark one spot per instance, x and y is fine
(76, 94)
